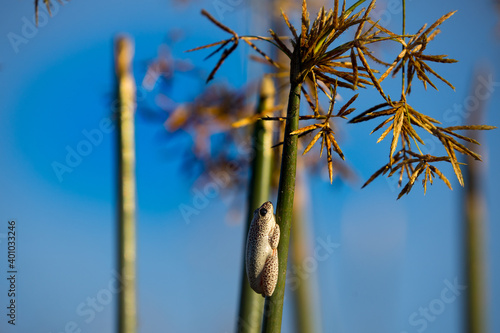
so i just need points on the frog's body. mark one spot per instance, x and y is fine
(262, 250)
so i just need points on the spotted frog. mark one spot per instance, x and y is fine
(262, 250)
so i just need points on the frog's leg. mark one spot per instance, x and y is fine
(270, 274)
(274, 237)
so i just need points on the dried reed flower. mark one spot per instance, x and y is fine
(319, 62)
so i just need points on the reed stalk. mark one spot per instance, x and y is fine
(273, 308)
(251, 303)
(474, 228)
(306, 309)
(127, 312)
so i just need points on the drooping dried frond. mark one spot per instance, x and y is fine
(326, 132)
(448, 137)
(413, 165)
(222, 44)
(402, 119)
(413, 57)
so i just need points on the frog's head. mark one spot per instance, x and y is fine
(265, 212)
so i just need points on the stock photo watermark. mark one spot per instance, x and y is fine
(482, 92)
(29, 29)
(11, 271)
(203, 194)
(75, 154)
(302, 271)
(385, 14)
(425, 315)
(223, 6)
(219, 180)
(89, 309)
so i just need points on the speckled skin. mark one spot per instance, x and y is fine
(262, 250)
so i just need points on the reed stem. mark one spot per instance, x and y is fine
(273, 308)
(127, 312)
(251, 303)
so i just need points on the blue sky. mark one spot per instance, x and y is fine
(393, 257)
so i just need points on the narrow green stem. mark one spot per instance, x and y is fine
(273, 308)
(475, 228)
(306, 309)
(251, 303)
(127, 313)
(474, 252)
(404, 17)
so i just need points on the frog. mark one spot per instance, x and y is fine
(262, 250)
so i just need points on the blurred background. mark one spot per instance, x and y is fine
(375, 264)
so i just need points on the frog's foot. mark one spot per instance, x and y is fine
(274, 237)
(262, 288)
(270, 274)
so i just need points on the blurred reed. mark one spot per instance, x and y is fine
(127, 312)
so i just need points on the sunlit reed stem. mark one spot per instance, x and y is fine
(127, 322)
(273, 308)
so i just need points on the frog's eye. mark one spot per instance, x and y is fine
(263, 212)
